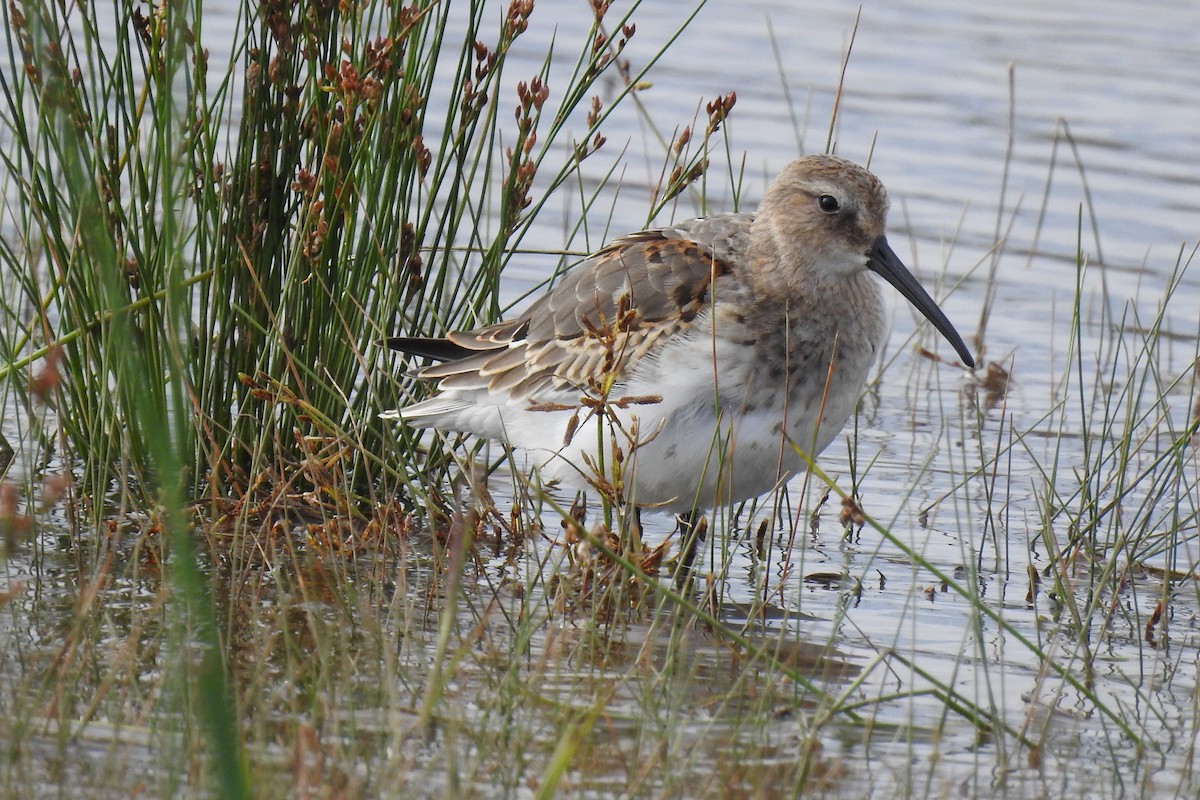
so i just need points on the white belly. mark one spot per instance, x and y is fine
(710, 440)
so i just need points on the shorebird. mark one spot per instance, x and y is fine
(708, 356)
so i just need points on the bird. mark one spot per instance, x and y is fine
(710, 359)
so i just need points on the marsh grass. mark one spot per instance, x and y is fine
(228, 577)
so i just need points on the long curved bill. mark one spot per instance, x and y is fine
(883, 260)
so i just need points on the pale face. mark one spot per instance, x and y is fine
(824, 214)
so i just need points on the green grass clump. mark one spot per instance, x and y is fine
(212, 253)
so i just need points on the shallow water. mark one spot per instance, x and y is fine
(927, 98)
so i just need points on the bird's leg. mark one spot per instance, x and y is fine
(635, 550)
(691, 527)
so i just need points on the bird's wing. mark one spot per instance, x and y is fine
(607, 313)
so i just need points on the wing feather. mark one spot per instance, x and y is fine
(610, 311)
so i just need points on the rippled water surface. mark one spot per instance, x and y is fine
(1017, 140)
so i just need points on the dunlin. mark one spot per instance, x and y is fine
(717, 349)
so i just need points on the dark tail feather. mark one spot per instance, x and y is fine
(424, 347)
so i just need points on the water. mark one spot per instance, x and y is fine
(927, 97)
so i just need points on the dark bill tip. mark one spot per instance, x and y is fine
(883, 260)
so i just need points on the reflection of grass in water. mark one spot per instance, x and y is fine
(219, 324)
(1125, 512)
(1113, 467)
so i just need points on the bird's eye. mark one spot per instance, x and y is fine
(829, 204)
